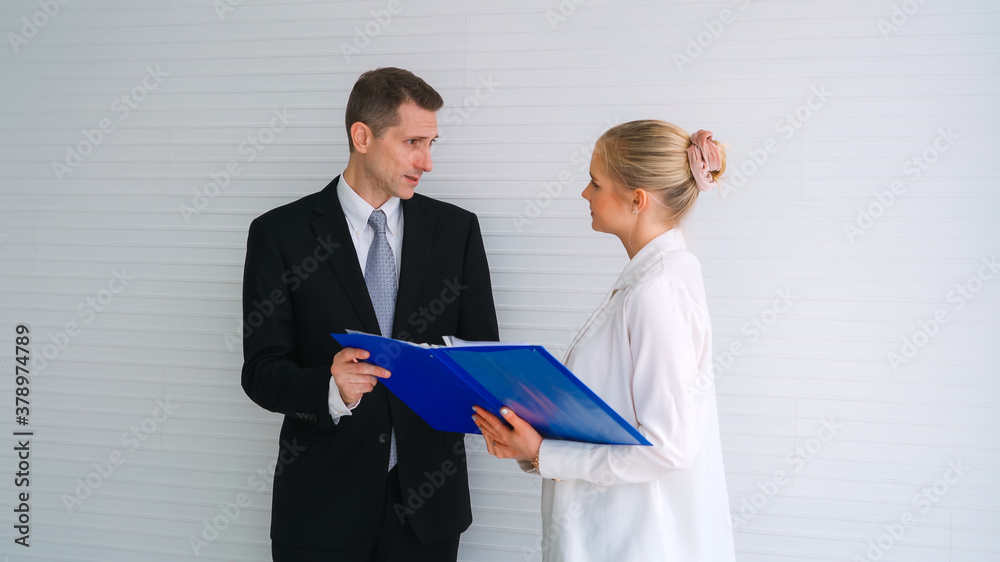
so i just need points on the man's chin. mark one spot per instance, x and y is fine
(406, 192)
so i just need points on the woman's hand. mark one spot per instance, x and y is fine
(521, 443)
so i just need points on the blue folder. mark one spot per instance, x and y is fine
(442, 384)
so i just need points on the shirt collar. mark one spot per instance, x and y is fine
(357, 210)
(669, 241)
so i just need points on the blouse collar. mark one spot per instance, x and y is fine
(669, 241)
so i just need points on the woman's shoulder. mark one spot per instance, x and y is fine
(669, 276)
(678, 267)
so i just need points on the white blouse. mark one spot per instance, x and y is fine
(643, 352)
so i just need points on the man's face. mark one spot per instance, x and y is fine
(396, 160)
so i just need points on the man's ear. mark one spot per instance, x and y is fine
(362, 135)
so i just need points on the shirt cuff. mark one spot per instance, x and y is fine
(336, 404)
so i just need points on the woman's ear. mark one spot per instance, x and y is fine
(640, 199)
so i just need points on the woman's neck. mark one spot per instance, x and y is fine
(642, 234)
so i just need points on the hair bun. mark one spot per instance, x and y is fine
(704, 157)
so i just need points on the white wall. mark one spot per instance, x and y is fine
(516, 155)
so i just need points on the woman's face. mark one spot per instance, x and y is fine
(611, 212)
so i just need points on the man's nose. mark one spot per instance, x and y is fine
(424, 160)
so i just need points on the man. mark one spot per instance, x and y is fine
(365, 253)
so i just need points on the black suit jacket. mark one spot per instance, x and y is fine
(302, 282)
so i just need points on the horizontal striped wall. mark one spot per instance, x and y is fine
(847, 259)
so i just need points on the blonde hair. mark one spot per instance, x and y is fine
(652, 155)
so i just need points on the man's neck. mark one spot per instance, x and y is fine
(361, 184)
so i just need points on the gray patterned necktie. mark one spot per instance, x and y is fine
(380, 276)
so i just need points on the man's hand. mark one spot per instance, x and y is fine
(355, 379)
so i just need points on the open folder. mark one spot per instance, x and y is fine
(441, 384)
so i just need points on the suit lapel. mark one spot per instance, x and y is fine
(418, 232)
(332, 225)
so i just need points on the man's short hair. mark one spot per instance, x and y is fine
(377, 95)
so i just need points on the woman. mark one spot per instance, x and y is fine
(647, 351)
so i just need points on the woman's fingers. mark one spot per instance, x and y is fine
(502, 441)
(489, 433)
(527, 439)
(487, 437)
(513, 419)
(491, 421)
(496, 444)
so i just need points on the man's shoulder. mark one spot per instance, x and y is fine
(298, 210)
(442, 209)
(304, 208)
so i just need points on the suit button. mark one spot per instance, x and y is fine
(383, 438)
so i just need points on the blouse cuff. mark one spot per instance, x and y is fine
(564, 460)
(526, 467)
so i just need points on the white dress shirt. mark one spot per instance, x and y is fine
(357, 211)
(642, 352)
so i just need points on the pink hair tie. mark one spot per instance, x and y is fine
(704, 157)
